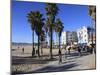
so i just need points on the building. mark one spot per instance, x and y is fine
(82, 34)
(69, 37)
(86, 35)
(63, 38)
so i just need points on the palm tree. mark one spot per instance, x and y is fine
(42, 39)
(89, 32)
(92, 12)
(59, 28)
(46, 28)
(36, 19)
(39, 27)
(32, 21)
(51, 11)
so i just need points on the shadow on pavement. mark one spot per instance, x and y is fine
(42, 60)
(30, 60)
(52, 69)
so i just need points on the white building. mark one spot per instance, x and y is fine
(82, 34)
(68, 37)
(63, 38)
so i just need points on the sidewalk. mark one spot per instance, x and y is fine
(80, 63)
(41, 65)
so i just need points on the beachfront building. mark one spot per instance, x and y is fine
(82, 34)
(63, 38)
(86, 35)
(69, 37)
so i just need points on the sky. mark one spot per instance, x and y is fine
(72, 16)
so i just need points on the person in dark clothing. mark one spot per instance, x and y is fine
(60, 57)
(69, 50)
(91, 48)
(23, 49)
(95, 49)
(79, 51)
(33, 52)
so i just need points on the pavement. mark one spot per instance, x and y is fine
(71, 62)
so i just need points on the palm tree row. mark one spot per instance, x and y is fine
(41, 28)
(37, 22)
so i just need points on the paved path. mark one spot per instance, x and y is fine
(72, 62)
(80, 63)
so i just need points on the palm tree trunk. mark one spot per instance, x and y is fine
(92, 39)
(89, 36)
(33, 50)
(41, 48)
(38, 45)
(51, 34)
(59, 42)
(46, 40)
(56, 40)
(51, 42)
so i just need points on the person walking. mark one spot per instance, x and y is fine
(33, 52)
(23, 50)
(60, 57)
(69, 48)
(79, 50)
(94, 48)
(91, 48)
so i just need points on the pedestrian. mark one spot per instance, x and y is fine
(94, 48)
(60, 57)
(69, 48)
(91, 48)
(79, 50)
(33, 52)
(23, 49)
